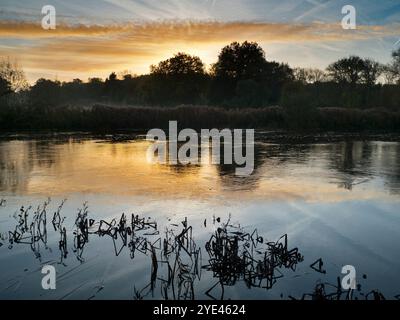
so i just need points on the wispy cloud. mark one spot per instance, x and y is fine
(101, 48)
(197, 30)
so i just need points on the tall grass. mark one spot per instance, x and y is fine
(106, 118)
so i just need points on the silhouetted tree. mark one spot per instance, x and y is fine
(242, 66)
(95, 88)
(179, 64)
(396, 60)
(392, 70)
(5, 87)
(74, 90)
(112, 77)
(347, 70)
(45, 93)
(355, 70)
(371, 71)
(111, 86)
(180, 79)
(309, 75)
(240, 61)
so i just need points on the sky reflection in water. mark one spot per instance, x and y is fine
(335, 201)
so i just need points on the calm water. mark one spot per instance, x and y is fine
(335, 201)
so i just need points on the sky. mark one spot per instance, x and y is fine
(96, 37)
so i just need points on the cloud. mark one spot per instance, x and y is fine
(197, 31)
(30, 30)
(101, 48)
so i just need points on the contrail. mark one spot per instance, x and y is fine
(212, 2)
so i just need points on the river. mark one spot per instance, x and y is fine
(336, 201)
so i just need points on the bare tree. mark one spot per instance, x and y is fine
(310, 75)
(13, 74)
(391, 71)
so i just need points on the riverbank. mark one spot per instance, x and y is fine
(261, 135)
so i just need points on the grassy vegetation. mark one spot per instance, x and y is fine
(104, 118)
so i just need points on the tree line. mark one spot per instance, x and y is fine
(242, 77)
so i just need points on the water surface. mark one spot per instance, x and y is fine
(335, 201)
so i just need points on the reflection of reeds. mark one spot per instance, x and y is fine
(33, 233)
(81, 233)
(58, 222)
(238, 255)
(329, 291)
(2, 236)
(176, 262)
